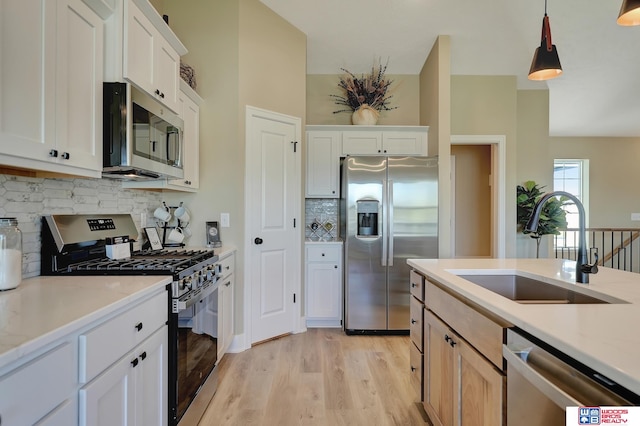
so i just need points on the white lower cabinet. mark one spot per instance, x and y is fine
(323, 284)
(112, 371)
(133, 391)
(37, 388)
(222, 307)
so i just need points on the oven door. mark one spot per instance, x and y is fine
(195, 344)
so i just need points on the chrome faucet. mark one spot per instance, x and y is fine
(583, 269)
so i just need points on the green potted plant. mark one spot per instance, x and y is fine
(552, 216)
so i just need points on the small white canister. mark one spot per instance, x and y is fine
(10, 253)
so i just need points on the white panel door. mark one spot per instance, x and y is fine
(273, 222)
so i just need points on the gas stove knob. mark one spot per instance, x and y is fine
(188, 283)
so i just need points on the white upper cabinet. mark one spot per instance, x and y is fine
(150, 61)
(323, 164)
(51, 69)
(150, 52)
(385, 140)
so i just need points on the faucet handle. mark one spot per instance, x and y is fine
(590, 269)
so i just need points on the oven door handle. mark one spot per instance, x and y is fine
(539, 381)
(203, 292)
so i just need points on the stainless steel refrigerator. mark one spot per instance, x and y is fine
(388, 214)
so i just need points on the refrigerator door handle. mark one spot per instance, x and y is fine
(390, 222)
(383, 225)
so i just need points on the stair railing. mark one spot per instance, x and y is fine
(617, 248)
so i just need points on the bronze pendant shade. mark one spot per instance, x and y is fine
(629, 13)
(546, 63)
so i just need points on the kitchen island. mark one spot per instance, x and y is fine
(601, 336)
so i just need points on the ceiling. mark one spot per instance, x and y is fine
(597, 95)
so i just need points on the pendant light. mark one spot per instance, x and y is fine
(546, 63)
(629, 13)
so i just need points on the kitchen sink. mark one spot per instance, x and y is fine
(528, 290)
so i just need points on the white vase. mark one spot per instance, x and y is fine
(365, 116)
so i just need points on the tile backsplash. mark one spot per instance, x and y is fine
(323, 212)
(27, 199)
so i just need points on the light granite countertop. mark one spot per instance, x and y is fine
(602, 336)
(44, 309)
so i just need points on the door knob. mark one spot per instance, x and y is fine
(258, 240)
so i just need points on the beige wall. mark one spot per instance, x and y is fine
(435, 112)
(405, 90)
(613, 176)
(243, 54)
(612, 164)
(487, 105)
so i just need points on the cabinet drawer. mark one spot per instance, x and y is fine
(36, 388)
(105, 344)
(416, 308)
(417, 285)
(415, 360)
(485, 334)
(324, 253)
(228, 265)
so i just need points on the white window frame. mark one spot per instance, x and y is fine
(583, 196)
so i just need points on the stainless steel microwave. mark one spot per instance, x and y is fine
(142, 138)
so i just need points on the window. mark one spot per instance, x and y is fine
(572, 176)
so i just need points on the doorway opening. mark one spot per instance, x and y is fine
(478, 196)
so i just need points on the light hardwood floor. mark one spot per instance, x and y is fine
(321, 377)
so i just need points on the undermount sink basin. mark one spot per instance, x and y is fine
(528, 290)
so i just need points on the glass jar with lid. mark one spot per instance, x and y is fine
(10, 253)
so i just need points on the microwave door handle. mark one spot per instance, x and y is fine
(173, 146)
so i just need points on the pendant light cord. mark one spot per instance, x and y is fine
(546, 29)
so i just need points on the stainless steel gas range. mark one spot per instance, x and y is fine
(99, 244)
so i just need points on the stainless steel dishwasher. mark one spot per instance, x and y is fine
(542, 382)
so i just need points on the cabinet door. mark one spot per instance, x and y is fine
(324, 295)
(167, 72)
(140, 39)
(480, 391)
(109, 400)
(404, 143)
(149, 60)
(226, 326)
(190, 113)
(36, 388)
(361, 143)
(323, 164)
(79, 86)
(27, 86)
(151, 380)
(438, 371)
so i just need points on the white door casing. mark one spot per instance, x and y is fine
(272, 224)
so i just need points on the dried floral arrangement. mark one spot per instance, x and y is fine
(371, 89)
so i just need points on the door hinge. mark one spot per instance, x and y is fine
(294, 298)
(295, 145)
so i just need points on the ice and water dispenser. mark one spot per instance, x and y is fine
(367, 211)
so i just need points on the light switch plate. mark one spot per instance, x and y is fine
(224, 220)
(635, 216)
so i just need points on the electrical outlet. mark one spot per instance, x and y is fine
(224, 220)
(635, 216)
